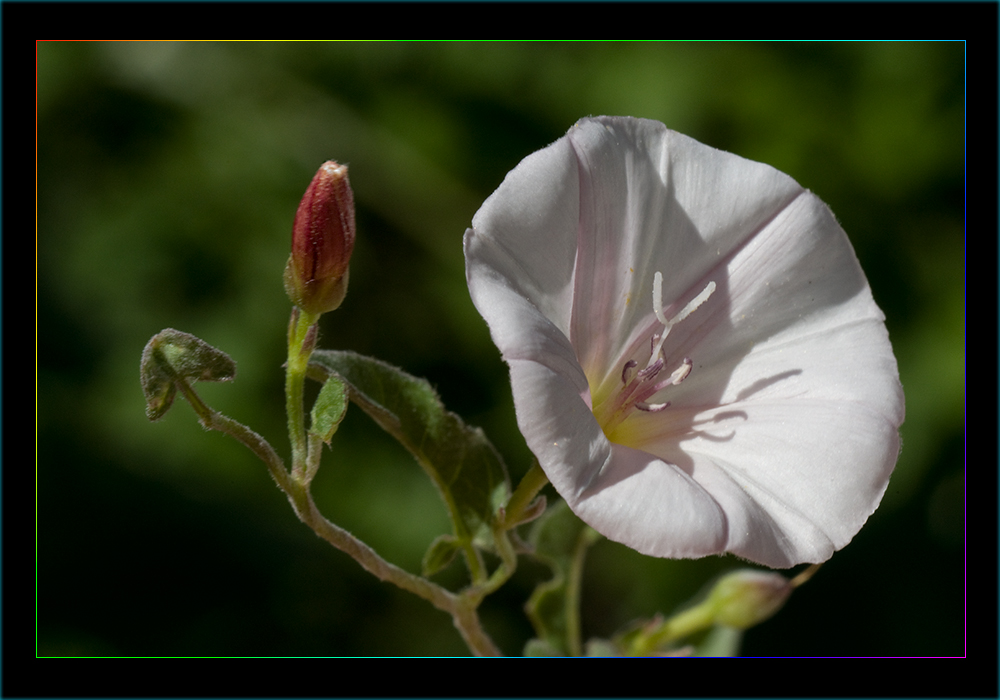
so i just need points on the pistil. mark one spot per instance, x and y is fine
(681, 315)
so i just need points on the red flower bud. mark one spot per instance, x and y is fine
(322, 242)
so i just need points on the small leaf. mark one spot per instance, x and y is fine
(440, 554)
(462, 463)
(329, 409)
(173, 355)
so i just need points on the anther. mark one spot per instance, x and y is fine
(651, 370)
(681, 372)
(639, 385)
(625, 371)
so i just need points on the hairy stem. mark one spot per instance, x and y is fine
(213, 420)
(523, 497)
(302, 330)
(305, 461)
(462, 608)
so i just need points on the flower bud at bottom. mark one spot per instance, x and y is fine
(745, 598)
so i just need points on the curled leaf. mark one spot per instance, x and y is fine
(171, 356)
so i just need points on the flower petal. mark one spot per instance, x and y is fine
(535, 209)
(779, 444)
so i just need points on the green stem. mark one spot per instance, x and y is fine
(506, 569)
(213, 420)
(804, 576)
(681, 625)
(301, 342)
(302, 332)
(574, 585)
(524, 495)
(474, 560)
(466, 621)
(315, 452)
(462, 608)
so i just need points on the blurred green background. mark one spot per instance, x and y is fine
(168, 176)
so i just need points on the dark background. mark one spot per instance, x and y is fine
(168, 176)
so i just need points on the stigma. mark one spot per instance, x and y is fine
(689, 308)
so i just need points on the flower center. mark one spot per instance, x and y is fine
(639, 387)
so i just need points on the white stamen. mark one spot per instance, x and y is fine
(658, 298)
(651, 407)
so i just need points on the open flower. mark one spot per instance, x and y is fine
(695, 355)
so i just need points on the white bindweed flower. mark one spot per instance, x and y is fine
(695, 355)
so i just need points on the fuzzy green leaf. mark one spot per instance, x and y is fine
(173, 355)
(462, 463)
(329, 409)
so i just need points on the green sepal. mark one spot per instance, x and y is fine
(173, 355)
(329, 409)
(439, 555)
(466, 468)
(558, 538)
